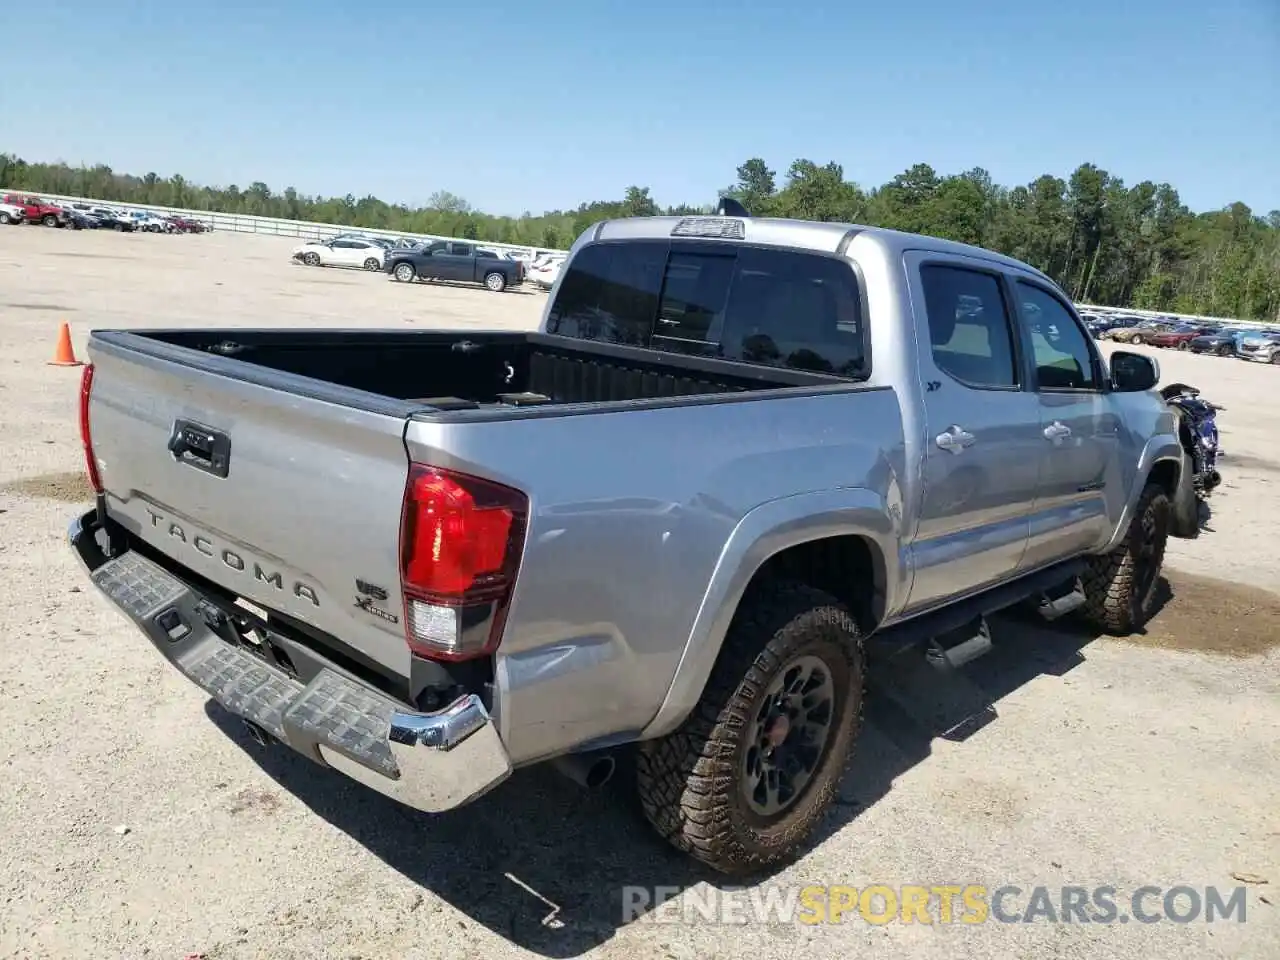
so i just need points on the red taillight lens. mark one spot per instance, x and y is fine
(86, 438)
(460, 545)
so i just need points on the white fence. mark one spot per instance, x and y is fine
(273, 226)
(1165, 314)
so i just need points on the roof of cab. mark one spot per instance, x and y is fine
(804, 234)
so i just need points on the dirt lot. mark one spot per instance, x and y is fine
(137, 820)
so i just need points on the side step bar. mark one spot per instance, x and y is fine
(955, 650)
(965, 614)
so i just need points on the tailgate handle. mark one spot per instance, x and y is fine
(201, 447)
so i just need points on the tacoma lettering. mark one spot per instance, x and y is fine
(230, 559)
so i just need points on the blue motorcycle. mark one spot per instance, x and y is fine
(1198, 430)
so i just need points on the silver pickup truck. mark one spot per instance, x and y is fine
(739, 457)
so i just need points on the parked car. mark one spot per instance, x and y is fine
(1260, 347)
(341, 252)
(1139, 333)
(80, 220)
(149, 222)
(735, 457)
(1179, 336)
(454, 260)
(111, 220)
(36, 210)
(1222, 343)
(543, 272)
(185, 225)
(12, 213)
(1100, 327)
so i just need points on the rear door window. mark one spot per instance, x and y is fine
(752, 304)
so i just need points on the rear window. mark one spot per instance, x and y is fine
(757, 305)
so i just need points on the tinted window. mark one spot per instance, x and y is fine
(461, 250)
(969, 328)
(1062, 356)
(794, 310)
(610, 293)
(695, 292)
(769, 307)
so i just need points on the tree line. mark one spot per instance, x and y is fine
(1103, 241)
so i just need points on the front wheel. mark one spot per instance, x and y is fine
(1121, 587)
(495, 281)
(1137, 340)
(404, 272)
(743, 781)
(311, 259)
(5, 218)
(1275, 358)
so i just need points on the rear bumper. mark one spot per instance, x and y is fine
(428, 761)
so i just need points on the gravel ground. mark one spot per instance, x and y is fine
(138, 820)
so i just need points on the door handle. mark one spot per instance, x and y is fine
(1057, 431)
(955, 439)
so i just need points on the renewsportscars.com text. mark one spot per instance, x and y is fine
(935, 904)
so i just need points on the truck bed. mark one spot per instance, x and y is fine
(446, 372)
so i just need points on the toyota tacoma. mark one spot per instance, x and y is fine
(738, 457)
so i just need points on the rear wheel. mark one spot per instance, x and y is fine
(1137, 339)
(372, 264)
(404, 272)
(742, 782)
(1184, 345)
(495, 281)
(49, 220)
(1121, 587)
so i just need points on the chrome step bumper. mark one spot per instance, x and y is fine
(429, 761)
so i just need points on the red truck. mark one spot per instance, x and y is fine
(37, 210)
(1180, 336)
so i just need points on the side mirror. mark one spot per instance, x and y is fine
(1133, 372)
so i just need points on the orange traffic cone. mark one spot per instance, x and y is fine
(64, 355)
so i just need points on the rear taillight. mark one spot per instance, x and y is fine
(460, 544)
(86, 438)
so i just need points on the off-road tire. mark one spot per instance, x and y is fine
(1116, 599)
(690, 781)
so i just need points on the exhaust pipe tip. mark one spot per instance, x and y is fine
(590, 770)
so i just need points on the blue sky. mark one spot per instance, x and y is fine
(540, 105)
